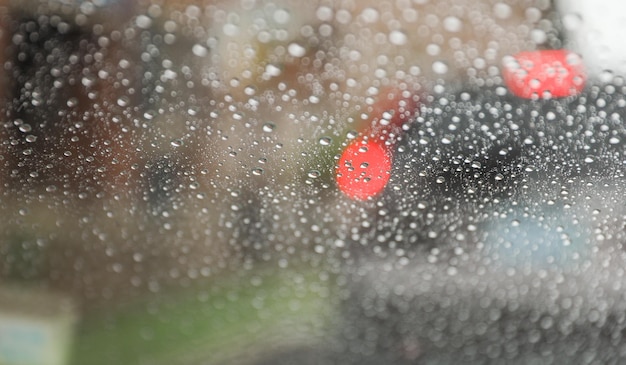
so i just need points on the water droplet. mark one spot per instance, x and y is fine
(199, 50)
(440, 67)
(433, 49)
(314, 174)
(176, 142)
(123, 101)
(502, 10)
(143, 21)
(72, 102)
(325, 141)
(398, 38)
(296, 50)
(452, 24)
(572, 21)
(281, 16)
(538, 36)
(149, 115)
(370, 15)
(87, 81)
(257, 171)
(193, 111)
(269, 127)
(272, 70)
(230, 30)
(324, 13)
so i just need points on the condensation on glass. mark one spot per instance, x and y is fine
(323, 182)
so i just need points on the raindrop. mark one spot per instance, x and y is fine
(123, 101)
(192, 111)
(296, 50)
(452, 24)
(538, 36)
(324, 13)
(269, 127)
(272, 70)
(176, 142)
(249, 90)
(257, 171)
(199, 50)
(230, 30)
(502, 10)
(314, 174)
(325, 141)
(433, 49)
(572, 21)
(398, 38)
(281, 16)
(149, 115)
(370, 15)
(440, 67)
(72, 102)
(143, 21)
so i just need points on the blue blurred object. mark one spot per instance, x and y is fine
(545, 239)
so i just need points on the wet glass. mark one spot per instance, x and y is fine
(323, 182)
